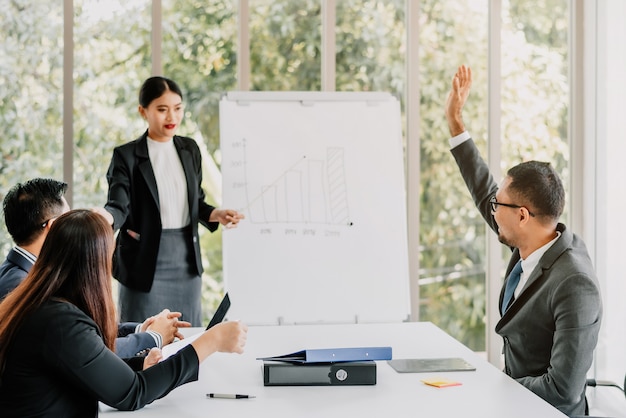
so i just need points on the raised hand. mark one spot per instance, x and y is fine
(461, 85)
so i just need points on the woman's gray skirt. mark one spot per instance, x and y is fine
(176, 285)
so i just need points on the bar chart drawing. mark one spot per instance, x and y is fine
(309, 191)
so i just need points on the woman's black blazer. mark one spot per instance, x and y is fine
(134, 203)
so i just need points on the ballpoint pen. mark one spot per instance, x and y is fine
(228, 396)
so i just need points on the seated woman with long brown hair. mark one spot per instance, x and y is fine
(58, 329)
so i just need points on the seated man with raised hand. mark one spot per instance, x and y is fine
(30, 208)
(550, 301)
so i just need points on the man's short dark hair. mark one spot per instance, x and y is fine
(537, 185)
(27, 206)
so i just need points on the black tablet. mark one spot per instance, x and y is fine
(220, 313)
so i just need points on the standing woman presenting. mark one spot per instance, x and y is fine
(156, 201)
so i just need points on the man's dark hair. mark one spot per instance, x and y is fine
(28, 206)
(538, 186)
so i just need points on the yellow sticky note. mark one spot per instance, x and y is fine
(441, 383)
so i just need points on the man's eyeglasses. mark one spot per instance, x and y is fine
(43, 225)
(494, 205)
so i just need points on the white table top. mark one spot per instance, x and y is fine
(486, 392)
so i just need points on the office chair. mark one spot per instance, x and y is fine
(595, 383)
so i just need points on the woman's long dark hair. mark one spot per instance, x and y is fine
(74, 266)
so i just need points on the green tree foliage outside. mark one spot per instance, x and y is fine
(31, 100)
(113, 56)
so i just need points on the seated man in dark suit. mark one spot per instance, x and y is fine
(29, 210)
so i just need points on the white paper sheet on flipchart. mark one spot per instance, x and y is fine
(321, 183)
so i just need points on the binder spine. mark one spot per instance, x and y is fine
(353, 374)
(319, 374)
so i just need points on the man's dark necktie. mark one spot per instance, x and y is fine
(511, 284)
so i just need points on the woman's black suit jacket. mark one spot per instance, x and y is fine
(133, 201)
(58, 366)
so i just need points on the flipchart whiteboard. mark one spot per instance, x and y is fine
(320, 179)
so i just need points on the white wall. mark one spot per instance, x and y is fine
(610, 182)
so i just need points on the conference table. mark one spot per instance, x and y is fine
(485, 392)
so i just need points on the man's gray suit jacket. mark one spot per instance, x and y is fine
(550, 331)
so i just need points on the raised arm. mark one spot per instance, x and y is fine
(461, 85)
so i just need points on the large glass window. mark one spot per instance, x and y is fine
(371, 46)
(285, 39)
(535, 84)
(534, 99)
(199, 53)
(452, 233)
(113, 55)
(109, 67)
(31, 99)
(535, 87)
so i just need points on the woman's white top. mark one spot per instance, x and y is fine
(171, 184)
